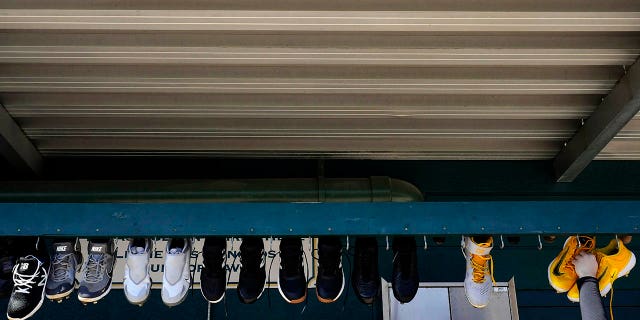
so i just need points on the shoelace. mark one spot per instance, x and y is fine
(587, 246)
(291, 261)
(251, 259)
(479, 265)
(95, 268)
(60, 265)
(331, 262)
(23, 283)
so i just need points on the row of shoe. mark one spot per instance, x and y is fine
(614, 261)
(33, 278)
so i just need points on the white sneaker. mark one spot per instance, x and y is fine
(177, 276)
(137, 281)
(478, 282)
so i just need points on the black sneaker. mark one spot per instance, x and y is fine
(29, 280)
(213, 278)
(67, 260)
(330, 278)
(365, 277)
(252, 274)
(292, 282)
(97, 274)
(405, 279)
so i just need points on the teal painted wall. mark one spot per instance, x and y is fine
(439, 180)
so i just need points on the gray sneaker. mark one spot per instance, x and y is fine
(67, 260)
(98, 271)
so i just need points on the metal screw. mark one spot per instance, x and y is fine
(329, 229)
(406, 228)
(521, 228)
(58, 230)
(21, 229)
(558, 227)
(444, 227)
(173, 229)
(252, 229)
(290, 229)
(482, 228)
(97, 230)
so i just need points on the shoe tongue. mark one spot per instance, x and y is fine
(63, 247)
(27, 265)
(137, 250)
(98, 248)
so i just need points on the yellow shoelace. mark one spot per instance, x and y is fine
(588, 246)
(479, 265)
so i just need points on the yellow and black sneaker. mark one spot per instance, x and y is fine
(614, 261)
(561, 272)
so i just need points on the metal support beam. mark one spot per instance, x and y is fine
(16, 147)
(618, 108)
(304, 219)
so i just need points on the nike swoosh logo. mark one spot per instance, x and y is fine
(556, 269)
(603, 273)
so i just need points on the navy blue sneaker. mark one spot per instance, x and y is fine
(405, 279)
(67, 260)
(292, 283)
(330, 278)
(365, 276)
(97, 275)
(213, 278)
(252, 273)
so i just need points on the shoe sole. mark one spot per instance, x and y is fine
(30, 313)
(256, 299)
(478, 306)
(215, 301)
(625, 271)
(59, 296)
(291, 301)
(173, 304)
(550, 270)
(323, 300)
(95, 299)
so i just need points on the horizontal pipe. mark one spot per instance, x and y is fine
(374, 189)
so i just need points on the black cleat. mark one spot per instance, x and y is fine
(405, 279)
(252, 273)
(213, 278)
(292, 282)
(330, 279)
(365, 277)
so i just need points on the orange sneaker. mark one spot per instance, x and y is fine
(614, 261)
(561, 272)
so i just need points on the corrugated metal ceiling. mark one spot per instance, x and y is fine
(500, 79)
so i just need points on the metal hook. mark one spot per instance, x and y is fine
(387, 237)
(424, 237)
(540, 243)
(310, 242)
(501, 242)
(347, 242)
(270, 243)
(232, 247)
